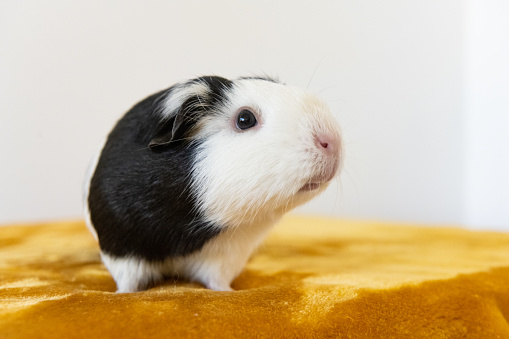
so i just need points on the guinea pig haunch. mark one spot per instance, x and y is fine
(192, 178)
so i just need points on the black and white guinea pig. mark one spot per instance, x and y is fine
(191, 179)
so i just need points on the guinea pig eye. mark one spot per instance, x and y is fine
(245, 119)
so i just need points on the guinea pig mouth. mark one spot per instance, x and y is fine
(327, 173)
(316, 182)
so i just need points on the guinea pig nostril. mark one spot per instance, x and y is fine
(325, 143)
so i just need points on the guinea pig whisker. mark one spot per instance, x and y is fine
(336, 198)
(142, 149)
(181, 139)
(314, 72)
(169, 142)
(345, 170)
(325, 89)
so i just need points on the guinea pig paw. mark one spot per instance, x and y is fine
(218, 286)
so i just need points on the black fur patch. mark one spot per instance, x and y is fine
(140, 201)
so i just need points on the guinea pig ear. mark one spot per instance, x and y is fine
(171, 130)
(179, 111)
(184, 105)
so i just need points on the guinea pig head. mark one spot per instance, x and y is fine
(261, 147)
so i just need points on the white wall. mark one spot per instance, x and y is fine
(394, 72)
(398, 76)
(487, 109)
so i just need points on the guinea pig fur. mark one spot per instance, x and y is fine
(191, 179)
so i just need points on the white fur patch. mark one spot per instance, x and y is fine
(240, 177)
(131, 274)
(179, 94)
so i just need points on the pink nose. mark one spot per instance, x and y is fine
(330, 148)
(329, 145)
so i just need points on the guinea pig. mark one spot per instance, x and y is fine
(191, 179)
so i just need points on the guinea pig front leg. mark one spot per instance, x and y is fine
(132, 274)
(222, 259)
(218, 263)
(198, 267)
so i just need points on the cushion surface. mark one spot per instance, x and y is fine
(311, 278)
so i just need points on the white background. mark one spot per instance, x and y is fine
(420, 88)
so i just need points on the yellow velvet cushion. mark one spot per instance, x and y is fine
(312, 278)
